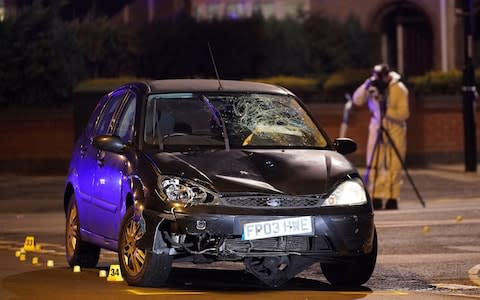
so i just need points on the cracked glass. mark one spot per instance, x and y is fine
(235, 120)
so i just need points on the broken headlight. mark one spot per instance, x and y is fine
(350, 192)
(183, 190)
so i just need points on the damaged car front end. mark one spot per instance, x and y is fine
(275, 235)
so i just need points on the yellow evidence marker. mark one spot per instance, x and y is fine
(35, 260)
(114, 274)
(29, 244)
(76, 269)
(102, 273)
(50, 263)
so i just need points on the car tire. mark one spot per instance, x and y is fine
(140, 267)
(354, 273)
(78, 252)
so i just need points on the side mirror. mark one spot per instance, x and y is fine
(110, 143)
(345, 145)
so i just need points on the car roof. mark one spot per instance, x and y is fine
(212, 85)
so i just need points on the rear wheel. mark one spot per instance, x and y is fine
(78, 252)
(140, 267)
(355, 272)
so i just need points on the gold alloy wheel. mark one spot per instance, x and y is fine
(133, 258)
(72, 230)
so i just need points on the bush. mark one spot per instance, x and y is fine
(180, 49)
(332, 45)
(346, 80)
(284, 49)
(437, 82)
(306, 88)
(40, 57)
(107, 49)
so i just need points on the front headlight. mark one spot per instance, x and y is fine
(183, 190)
(348, 193)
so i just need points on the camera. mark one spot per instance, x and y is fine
(376, 89)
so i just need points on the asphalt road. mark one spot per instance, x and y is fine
(424, 253)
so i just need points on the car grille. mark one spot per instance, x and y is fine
(278, 244)
(273, 201)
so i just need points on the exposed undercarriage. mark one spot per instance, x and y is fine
(274, 261)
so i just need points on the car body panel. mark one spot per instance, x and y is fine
(294, 172)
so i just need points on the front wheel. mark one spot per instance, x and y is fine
(78, 252)
(355, 272)
(140, 267)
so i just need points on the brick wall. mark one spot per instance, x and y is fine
(42, 140)
(435, 130)
(36, 140)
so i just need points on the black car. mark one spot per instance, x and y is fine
(207, 170)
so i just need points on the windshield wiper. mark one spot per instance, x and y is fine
(218, 119)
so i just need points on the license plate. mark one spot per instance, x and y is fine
(279, 227)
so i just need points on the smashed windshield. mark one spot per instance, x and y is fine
(229, 121)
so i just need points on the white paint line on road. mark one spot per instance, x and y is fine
(158, 293)
(432, 258)
(377, 293)
(54, 249)
(467, 178)
(454, 286)
(464, 248)
(415, 223)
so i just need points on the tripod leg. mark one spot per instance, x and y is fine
(402, 163)
(373, 154)
(371, 157)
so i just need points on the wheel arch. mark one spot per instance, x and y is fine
(69, 191)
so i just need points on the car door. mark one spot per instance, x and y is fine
(112, 169)
(86, 161)
(99, 212)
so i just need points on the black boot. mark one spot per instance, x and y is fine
(377, 204)
(391, 204)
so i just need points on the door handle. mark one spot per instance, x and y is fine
(101, 158)
(83, 150)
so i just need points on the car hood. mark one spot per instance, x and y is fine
(294, 172)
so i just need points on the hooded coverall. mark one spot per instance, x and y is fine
(384, 177)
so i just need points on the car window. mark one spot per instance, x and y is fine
(239, 119)
(125, 123)
(108, 112)
(94, 116)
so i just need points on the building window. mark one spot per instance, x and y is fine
(293, 9)
(235, 10)
(213, 11)
(201, 12)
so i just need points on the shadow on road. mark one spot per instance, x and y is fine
(62, 283)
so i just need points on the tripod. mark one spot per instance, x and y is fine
(383, 132)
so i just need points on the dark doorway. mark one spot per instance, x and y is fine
(407, 20)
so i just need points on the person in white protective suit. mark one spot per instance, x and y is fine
(387, 99)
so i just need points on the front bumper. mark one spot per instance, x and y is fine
(335, 236)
